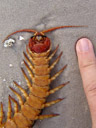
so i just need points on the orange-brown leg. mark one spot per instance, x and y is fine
(27, 79)
(1, 114)
(29, 54)
(56, 61)
(57, 74)
(28, 61)
(50, 57)
(15, 104)
(18, 96)
(41, 117)
(51, 103)
(21, 89)
(9, 123)
(29, 70)
(9, 109)
(57, 88)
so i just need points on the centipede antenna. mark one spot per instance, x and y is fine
(22, 30)
(52, 29)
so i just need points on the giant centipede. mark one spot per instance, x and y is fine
(37, 58)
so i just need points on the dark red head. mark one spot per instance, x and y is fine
(39, 43)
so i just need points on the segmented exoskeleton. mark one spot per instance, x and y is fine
(37, 63)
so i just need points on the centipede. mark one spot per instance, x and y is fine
(38, 80)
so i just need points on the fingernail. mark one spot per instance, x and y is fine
(83, 45)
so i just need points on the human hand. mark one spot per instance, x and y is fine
(87, 66)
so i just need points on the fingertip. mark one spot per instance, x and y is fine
(85, 53)
(83, 45)
(85, 50)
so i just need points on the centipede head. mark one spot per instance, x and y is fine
(39, 43)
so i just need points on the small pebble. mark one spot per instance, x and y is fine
(4, 80)
(10, 65)
(21, 38)
(22, 62)
(9, 42)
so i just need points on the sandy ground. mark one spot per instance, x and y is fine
(40, 15)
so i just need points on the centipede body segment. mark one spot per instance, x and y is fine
(36, 61)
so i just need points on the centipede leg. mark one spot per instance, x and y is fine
(58, 73)
(21, 89)
(50, 57)
(41, 117)
(51, 103)
(27, 79)
(29, 70)
(56, 61)
(9, 109)
(10, 123)
(29, 54)
(1, 114)
(15, 105)
(28, 61)
(57, 88)
(18, 96)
